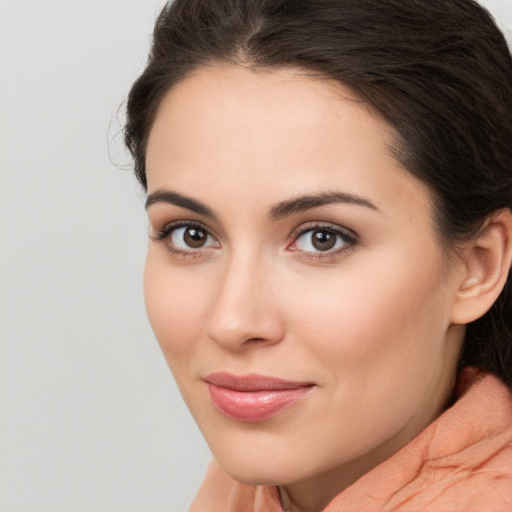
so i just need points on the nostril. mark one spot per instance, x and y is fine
(255, 340)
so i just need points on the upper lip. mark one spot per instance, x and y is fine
(252, 382)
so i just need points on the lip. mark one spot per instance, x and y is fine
(253, 398)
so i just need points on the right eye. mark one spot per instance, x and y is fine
(190, 237)
(186, 238)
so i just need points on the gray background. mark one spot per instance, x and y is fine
(90, 420)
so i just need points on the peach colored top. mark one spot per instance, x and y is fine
(462, 462)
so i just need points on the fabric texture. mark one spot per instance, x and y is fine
(462, 462)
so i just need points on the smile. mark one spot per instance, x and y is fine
(253, 398)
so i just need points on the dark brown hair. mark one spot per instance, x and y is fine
(439, 71)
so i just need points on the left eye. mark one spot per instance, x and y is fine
(322, 240)
(190, 237)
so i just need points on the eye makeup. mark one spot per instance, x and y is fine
(315, 240)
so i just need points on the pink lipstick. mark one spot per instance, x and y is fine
(252, 398)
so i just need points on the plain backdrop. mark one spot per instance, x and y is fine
(90, 419)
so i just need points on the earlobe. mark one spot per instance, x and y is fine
(486, 262)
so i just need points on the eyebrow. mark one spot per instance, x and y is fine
(169, 197)
(280, 210)
(307, 202)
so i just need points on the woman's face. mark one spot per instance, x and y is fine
(294, 279)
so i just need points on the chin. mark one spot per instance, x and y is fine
(255, 475)
(250, 468)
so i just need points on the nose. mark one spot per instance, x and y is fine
(245, 310)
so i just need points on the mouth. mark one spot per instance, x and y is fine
(253, 398)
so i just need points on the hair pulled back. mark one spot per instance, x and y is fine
(439, 71)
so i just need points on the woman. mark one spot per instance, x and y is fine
(329, 190)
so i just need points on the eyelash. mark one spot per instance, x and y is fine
(348, 238)
(165, 233)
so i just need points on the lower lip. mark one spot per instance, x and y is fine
(254, 406)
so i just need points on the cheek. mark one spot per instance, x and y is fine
(377, 349)
(376, 319)
(175, 308)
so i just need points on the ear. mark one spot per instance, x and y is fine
(486, 264)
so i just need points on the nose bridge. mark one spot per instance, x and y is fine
(243, 307)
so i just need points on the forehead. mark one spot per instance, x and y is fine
(236, 131)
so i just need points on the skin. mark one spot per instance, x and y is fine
(368, 323)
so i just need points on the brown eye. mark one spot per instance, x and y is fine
(194, 237)
(319, 240)
(323, 240)
(186, 238)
